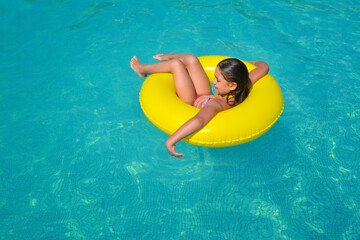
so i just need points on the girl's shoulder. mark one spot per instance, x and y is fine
(222, 102)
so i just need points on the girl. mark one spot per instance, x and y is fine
(232, 83)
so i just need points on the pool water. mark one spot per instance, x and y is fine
(79, 159)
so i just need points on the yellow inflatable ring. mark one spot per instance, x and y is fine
(240, 124)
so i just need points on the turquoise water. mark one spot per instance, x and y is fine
(79, 160)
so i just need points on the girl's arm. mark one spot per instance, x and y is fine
(262, 68)
(197, 122)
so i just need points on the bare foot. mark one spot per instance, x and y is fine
(136, 66)
(162, 57)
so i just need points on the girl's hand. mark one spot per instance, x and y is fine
(194, 124)
(201, 101)
(171, 150)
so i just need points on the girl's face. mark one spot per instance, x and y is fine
(222, 86)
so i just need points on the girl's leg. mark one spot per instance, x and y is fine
(196, 71)
(183, 83)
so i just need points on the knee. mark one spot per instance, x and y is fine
(176, 64)
(192, 59)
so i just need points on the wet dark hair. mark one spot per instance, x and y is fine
(234, 70)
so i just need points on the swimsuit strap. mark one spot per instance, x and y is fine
(214, 96)
(210, 97)
(206, 101)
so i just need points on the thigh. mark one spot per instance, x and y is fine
(197, 75)
(183, 83)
